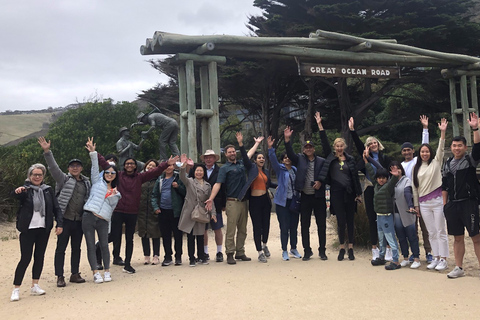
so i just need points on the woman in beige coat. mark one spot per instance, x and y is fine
(198, 191)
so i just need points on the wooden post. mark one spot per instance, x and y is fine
(465, 115)
(182, 99)
(192, 119)
(453, 105)
(473, 93)
(205, 96)
(214, 121)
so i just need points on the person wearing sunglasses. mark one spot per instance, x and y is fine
(130, 186)
(98, 213)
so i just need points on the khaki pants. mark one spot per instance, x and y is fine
(236, 222)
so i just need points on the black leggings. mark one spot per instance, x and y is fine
(130, 220)
(191, 246)
(342, 204)
(37, 238)
(371, 215)
(146, 246)
(260, 210)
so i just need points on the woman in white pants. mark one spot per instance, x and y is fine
(427, 198)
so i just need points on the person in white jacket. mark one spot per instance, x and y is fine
(98, 212)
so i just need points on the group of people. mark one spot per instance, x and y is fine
(164, 203)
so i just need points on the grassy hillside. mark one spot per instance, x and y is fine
(17, 126)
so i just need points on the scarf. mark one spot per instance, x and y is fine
(39, 198)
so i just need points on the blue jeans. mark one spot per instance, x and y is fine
(385, 227)
(407, 233)
(288, 221)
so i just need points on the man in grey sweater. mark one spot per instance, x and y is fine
(72, 191)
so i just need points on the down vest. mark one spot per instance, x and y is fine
(65, 183)
(97, 203)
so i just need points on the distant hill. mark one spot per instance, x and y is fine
(17, 126)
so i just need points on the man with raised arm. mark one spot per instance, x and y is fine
(461, 194)
(233, 175)
(312, 193)
(72, 190)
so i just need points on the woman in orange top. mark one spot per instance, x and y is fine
(256, 190)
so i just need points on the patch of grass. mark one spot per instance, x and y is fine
(17, 126)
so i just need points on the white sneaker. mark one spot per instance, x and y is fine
(375, 254)
(36, 290)
(415, 265)
(404, 263)
(455, 273)
(389, 255)
(442, 265)
(107, 277)
(97, 278)
(433, 264)
(15, 295)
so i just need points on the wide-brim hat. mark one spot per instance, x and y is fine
(122, 129)
(210, 153)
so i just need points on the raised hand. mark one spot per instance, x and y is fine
(424, 121)
(318, 118)
(270, 142)
(90, 146)
(190, 162)
(239, 137)
(473, 121)
(366, 154)
(351, 124)
(287, 133)
(44, 144)
(172, 160)
(443, 125)
(259, 139)
(395, 171)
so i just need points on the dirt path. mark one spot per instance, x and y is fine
(249, 290)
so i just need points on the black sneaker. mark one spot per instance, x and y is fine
(350, 254)
(207, 256)
(378, 262)
(118, 261)
(128, 269)
(99, 266)
(307, 255)
(322, 254)
(178, 261)
(202, 261)
(167, 262)
(219, 257)
(392, 266)
(341, 254)
(192, 263)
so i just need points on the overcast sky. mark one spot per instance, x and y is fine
(57, 53)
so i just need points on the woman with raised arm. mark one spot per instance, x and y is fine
(340, 172)
(98, 211)
(256, 191)
(38, 209)
(376, 148)
(284, 195)
(148, 221)
(198, 191)
(427, 197)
